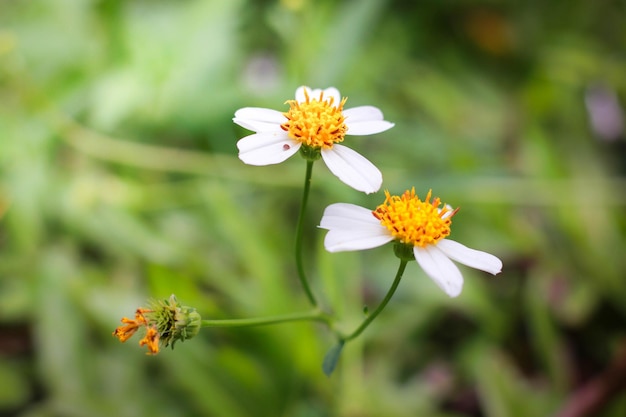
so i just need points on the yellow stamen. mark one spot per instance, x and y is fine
(125, 332)
(412, 221)
(151, 339)
(317, 123)
(131, 326)
(139, 315)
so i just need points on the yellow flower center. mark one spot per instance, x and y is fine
(413, 221)
(317, 123)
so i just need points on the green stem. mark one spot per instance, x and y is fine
(382, 304)
(298, 245)
(314, 315)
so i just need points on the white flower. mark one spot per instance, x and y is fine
(316, 119)
(412, 222)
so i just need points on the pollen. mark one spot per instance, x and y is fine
(316, 122)
(413, 221)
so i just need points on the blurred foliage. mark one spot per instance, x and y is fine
(119, 181)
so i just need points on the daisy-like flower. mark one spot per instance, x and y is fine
(315, 123)
(164, 323)
(419, 228)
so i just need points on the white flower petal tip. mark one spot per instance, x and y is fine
(257, 126)
(314, 94)
(366, 120)
(351, 228)
(260, 113)
(440, 269)
(266, 148)
(370, 127)
(258, 119)
(473, 258)
(343, 241)
(436, 261)
(353, 169)
(348, 216)
(363, 113)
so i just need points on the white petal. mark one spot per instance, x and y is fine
(353, 169)
(258, 119)
(333, 93)
(315, 94)
(363, 113)
(447, 213)
(470, 257)
(352, 227)
(368, 128)
(266, 148)
(440, 269)
(300, 98)
(365, 120)
(350, 240)
(348, 216)
(257, 126)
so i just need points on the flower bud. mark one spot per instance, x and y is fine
(165, 322)
(175, 321)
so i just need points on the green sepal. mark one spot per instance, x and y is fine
(310, 153)
(403, 251)
(331, 358)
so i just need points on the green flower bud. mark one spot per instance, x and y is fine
(174, 321)
(165, 322)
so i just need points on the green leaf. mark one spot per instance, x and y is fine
(331, 358)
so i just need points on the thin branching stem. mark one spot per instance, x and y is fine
(313, 315)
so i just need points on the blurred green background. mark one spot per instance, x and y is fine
(119, 181)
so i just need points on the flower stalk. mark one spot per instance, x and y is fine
(313, 315)
(370, 318)
(299, 228)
